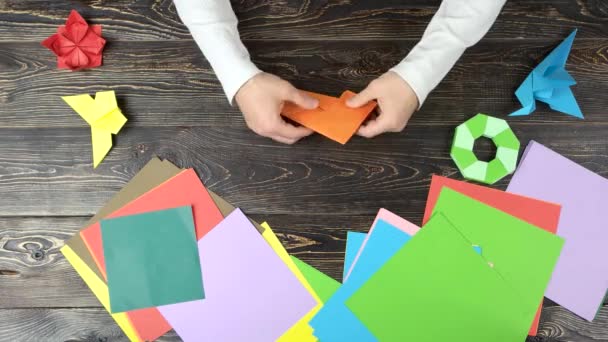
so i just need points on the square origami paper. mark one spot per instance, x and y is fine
(184, 189)
(580, 279)
(545, 215)
(300, 331)
(335, 322)
(333, 118)
(145, 324)
(523, 254)
(390, 218)
(323, 285)
(250, 293)
(354, 241)
(437, 288)
(151, 259)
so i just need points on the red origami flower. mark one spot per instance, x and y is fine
(76, 44)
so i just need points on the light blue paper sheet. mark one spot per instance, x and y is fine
(335, 322)
(354, 240)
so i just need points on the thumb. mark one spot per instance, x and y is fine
(361, 99)
(302, 99)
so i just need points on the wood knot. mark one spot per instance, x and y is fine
(36, 251)
(38, 255)
(296, 241)
(8, 273)
(33, 247)
(375, 170)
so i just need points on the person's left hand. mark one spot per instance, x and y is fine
(396, 104)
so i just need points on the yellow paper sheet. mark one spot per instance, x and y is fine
(104, 117)
(301, 331)
(100, 290)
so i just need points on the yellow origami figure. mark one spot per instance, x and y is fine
(104, 116)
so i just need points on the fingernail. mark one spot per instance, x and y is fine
(313, 103)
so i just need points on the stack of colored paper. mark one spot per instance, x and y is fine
(476, 271)
(480, 266)
(165, 254)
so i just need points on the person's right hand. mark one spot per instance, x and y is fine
(261, 100)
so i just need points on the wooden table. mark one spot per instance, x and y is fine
(313, 192)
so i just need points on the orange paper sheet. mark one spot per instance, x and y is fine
(333, 118)
(542, 214)
(185, 189)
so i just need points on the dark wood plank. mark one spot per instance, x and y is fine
(395, 19)
(169, 83)
(560, 325)
(49, 171)
(71, 325)
(296, 20)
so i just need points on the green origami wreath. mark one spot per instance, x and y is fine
(507, 149)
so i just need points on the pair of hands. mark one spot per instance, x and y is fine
(261, 100)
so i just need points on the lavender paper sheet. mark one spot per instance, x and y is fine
(251, 295)
(580, 278)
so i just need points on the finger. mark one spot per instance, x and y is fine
(290, 131)
(300, 98)
(362, 98)
(283, 140)
(373, 128)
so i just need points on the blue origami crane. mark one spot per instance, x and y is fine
(550, 83)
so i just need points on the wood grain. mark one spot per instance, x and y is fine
(310, 193)
(169, 83)
(300, 20)
(560, 325)
(49, 171)
(70, 325)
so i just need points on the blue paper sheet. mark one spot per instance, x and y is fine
(335, 321)
(550, 83)
(354, 240)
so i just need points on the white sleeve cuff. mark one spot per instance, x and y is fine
(236, 76)
(410, 74)
(227, 55)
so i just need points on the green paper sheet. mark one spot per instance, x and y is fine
(437, 288)
(324, 285)
(523, 254)
(151, 259)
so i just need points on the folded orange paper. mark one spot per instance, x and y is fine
(333, 118)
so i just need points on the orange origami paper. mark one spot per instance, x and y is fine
(333, 118)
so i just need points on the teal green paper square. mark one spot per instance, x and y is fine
(151, 259)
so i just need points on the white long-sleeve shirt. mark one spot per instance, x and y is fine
(457, 25)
